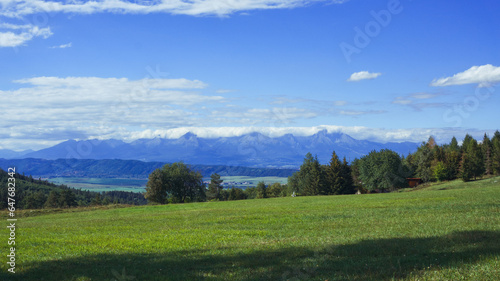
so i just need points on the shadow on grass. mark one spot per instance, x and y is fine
(381, 259)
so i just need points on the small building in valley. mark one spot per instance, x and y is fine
(412, 182)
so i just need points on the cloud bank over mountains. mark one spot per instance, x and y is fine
(121, 108)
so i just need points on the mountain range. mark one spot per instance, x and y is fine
(249, 150)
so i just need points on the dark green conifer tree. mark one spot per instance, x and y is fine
(214, 187)
(261, 190)
(334, 177)
(53, 200)
(495, 153)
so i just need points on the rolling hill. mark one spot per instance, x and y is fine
(449, 231)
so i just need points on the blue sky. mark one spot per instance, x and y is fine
(381, 70)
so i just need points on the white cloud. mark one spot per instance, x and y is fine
(411, 100)
(14, 8)
(359, 112)
(424, 95)
(6, 25)
(402, 100)
(272, 116)
(12, 35)
(224, 91)
(442, 135)
(63, 46)
(114, 83)
(60, 108)
(19, 9)
(484, 75)
(48, 108)
(363, 75)
(287, 100)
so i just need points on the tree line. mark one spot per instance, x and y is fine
(470, 160)
(179, 183)
(379, 171)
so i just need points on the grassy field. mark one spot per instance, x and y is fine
(448, 231)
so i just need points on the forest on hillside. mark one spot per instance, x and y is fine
(33, 193)
(385, 170)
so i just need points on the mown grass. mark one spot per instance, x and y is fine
(448, 231)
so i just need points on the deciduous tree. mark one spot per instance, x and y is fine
(382, 170)
(156, 187)
(175, 182)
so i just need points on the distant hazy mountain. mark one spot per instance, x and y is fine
(10, 154)
(250, 150)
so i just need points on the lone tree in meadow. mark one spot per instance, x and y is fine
(175, 183)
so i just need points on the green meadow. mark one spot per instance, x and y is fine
(446, 231)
